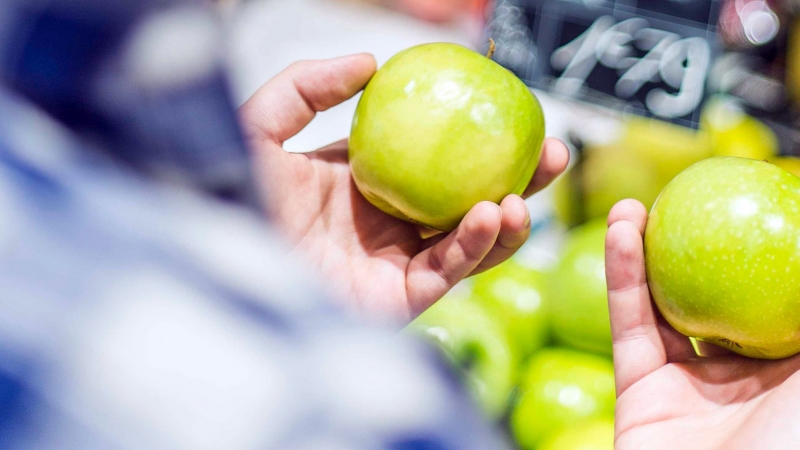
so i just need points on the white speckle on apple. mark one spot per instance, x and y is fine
(744, 207)
(483, 113)
(570, 396)
(441, 335)
(410, 87)
(529, 300)
(450, 92)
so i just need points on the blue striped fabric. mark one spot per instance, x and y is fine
(144, 300)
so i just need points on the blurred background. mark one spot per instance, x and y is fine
(639, 89)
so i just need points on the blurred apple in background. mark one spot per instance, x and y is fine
(476, 341)
(433, 10)
(669, 148)
(568, 197)
(733, 132)
(595, 434)
(603, 177)
(560, 388)
(515, 293)
(578, 305)
(637, 164)
(613, 174)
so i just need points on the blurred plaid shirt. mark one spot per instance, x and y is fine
(144, 301)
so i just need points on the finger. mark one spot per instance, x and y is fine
(630, 210)
(552, 163)
(335, 153)
(435, 270)
(677, 346)
(638, 348)
(288, 102)
(515, 227)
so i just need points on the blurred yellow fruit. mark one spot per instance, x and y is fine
(735, 133)
(647, 155)
(669, 148)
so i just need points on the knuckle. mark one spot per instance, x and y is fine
(437, 263)
(300, 66)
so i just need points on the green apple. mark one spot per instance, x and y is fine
(560, 388)
(568, 197)
(611, 175)
(637, 164)
(735, 133)
(579, 301)
(516, 293)
(669, 148)
(604, 176)
(595, 434)
(476, 342)
(440, 128)
(722, 248)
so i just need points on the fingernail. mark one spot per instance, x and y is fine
(527, 222)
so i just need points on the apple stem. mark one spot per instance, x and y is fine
(491, 48)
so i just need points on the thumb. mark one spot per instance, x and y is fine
(287, 103)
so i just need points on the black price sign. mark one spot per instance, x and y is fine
(648, 56)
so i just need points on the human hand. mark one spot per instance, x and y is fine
(431, 10)
(669, 398)
(380, 263)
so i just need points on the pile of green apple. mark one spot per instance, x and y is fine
(438, 129)
(533, 345)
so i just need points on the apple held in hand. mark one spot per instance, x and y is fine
(722, 248)
(440, 128)
(561, 388)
